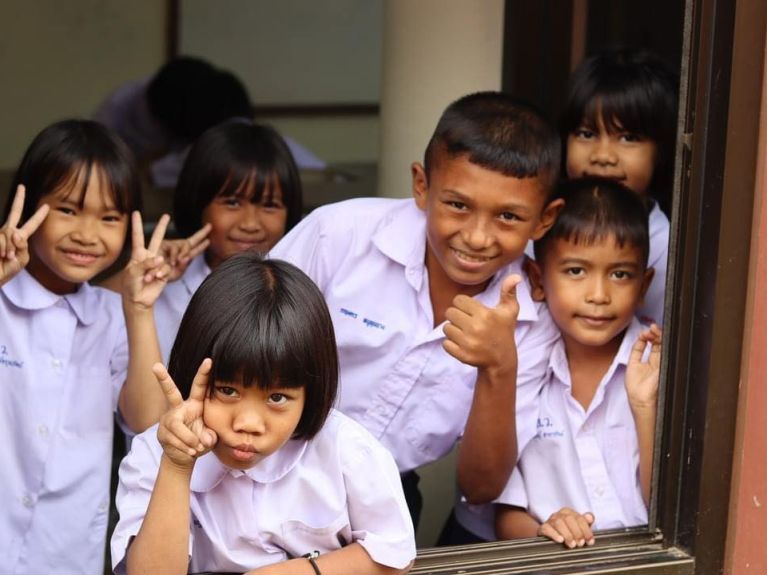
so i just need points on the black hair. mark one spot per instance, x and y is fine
(189, 95)
(500, 133)
(63, 151)
(595, 209)
(223, 159)
(264, 323)
(635, 91)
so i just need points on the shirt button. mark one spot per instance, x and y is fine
(43, 431)
(599, 491)
(27, 501)
(56, 363)
(103, 506)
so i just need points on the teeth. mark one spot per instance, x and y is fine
(468, 258)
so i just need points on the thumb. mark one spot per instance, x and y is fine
(509, 289)
(209, 438)
(589, 517)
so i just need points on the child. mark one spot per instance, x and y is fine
(64, 355)
(620, 123)
(239, 185)
(287, 475)
(418, 287)
(590, 464)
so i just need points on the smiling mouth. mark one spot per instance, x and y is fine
(80, 258)
(471, 259)
(595, 320)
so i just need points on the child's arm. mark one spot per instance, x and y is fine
(642, 380)
(162, 543)
(143, 279)
(566, 526)
(14, 248)
(350, 560)
(484, 337)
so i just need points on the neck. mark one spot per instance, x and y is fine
(49, 280)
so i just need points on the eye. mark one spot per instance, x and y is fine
(112, 218)
(227, 391)
(630, 137)
(575, 271)
(622, 275)
(583, 133)
(65, 210)
(273, 206)
(509, 217)
(232, 202)
(278, 399)
(456, 205)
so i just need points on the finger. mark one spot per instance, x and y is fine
(170, 250)
(209, 438)
(456, 351)
(3, 241)
(168, 435)
(637, 351)
(509, 289)
(199, 235)
(589, 518)
(583, 531)
(200, 381)
(19, 242)
(563, 528)
(172, 394)
(547, 530)
(158, 234)
(196, 250)
(17, 207)
(467, 304)
(30, 227)
(137, 233)
(178, 428)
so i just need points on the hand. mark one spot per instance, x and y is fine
(146, 274)
(182, 432)
(482, 336)
(642, 377)
(14, 249)
(569, 528)
(178, 253)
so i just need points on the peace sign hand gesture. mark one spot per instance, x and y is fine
(14, 248)
(179, 253)
(146, 274)
(182, 432)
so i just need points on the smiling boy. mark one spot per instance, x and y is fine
(428, 322)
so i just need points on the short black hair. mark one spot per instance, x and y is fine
(188, 95)
(595, 209)
(636, 91)
(223, 159)
(265, 323)
(64, 150)
(498, 132)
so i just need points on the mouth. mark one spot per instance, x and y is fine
(244, 245)
(80, 258)
(612, 177)
(595, 321)
(474, 260)
(244, 452)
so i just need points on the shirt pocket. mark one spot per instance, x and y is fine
(300, 537)
(88, 401)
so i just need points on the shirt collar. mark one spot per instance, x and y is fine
(408, 221)
(194, 275)
(27, 293)
(209, 471)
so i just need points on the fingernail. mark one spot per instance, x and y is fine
(571, 544)
(581, 542)
(200, 447)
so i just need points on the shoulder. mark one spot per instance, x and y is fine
(359, 212)
(352, 442)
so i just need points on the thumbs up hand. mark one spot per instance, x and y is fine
(481, 336)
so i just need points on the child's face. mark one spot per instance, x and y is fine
(239, 225)
(477, 220)
(592, 291)
(621, 156)
(75, 244)
(251, 423)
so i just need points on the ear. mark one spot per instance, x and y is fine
(649, 274)
(420, 184)
(535, 275)
(548, 217)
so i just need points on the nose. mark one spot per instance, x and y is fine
(251, 218)
(477, 234)
(599, 291)
(249, 419)
(86, 231)
(602, 152)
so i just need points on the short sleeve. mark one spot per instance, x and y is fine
(378, 514)
(138, 473)
(118, 362)
(515, 492)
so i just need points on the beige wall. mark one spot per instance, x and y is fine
(59, 59)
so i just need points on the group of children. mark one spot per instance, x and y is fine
(303, 391)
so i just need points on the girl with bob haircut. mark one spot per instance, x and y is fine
(620, 123)
(239, 190)
(251, 468)
(67, 361)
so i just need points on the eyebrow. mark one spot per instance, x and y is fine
(581, 261)
(502, 208)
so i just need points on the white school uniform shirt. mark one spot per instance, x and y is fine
(367, 257)
(173, 301)
(651, 309)
(585, 460)
(63, 360)
(338, 488)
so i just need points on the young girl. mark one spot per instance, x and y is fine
(254, 469)
(620, 123)
(239, 190)
(65, 361)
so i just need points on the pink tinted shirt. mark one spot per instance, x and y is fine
(173, 301)
(652, 308)
(338, 488)
(367, 257)
(63, 360)
(586, 460)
